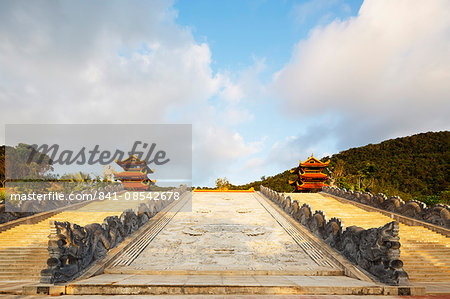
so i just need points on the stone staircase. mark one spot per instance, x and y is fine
(23, 248)
(425, 253)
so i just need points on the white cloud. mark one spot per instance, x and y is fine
(386, 71)
(244, 85)
(232, 92)
(124, 62)
(321, 10)
(286, 153)
(79, 61)
(217, 151)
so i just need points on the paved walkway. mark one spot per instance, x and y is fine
(231, 243)
(225, 232)
(224, 297)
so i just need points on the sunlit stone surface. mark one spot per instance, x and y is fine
(224, 231)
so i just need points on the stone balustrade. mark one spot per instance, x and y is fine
(376, 250)
(73, 248)
(438, 214)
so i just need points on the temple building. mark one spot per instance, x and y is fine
(309, 175)
(134, 174)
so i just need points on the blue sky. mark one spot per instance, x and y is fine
(263, 83)
(238, 32)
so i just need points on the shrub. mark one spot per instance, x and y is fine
(429, 200)
(2, 195)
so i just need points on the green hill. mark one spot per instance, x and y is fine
(412, 167)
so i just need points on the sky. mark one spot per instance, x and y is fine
(263, 83)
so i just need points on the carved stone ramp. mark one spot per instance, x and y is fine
(425, 253)
(231, 243)
(23, 248)
(132, 252)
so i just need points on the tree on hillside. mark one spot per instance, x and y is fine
(366, 177)
(337, 172)
(24, 162)
(222, 183)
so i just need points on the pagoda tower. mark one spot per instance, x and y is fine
(134, 174)
(309, 175)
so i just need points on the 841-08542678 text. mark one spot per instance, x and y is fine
(130, 195)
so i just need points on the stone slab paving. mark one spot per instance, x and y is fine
(230, 244)
(222, 280)
(117, 284)
(224, 232)
(220, 296)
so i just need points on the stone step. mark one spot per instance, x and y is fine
(21, 278)
(414, 261)
(24, 237)
(426, 266)
(21, 240)
(113, 284)
(424, 273)
(7, 257)
(424, 241)
(11, 253)
(426, 257)
(19, 264)
(23, 269)
(419, 278)
(32, 257)
(14, 250)
(430, 250)
(419, 270)
(17, 246)
(24, 245)
(34, 230)
(428, 260)
(409, 246)
(20, 272)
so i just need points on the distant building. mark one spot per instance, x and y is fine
(309, 175)
(134, 177)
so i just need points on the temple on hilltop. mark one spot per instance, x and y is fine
(134, 174)
(309, 175)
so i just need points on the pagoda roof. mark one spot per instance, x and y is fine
(138, 185)
(314, 175)
(311, 162)
(309, 185)
(309, 176)
(131, 162)
(130, 175)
